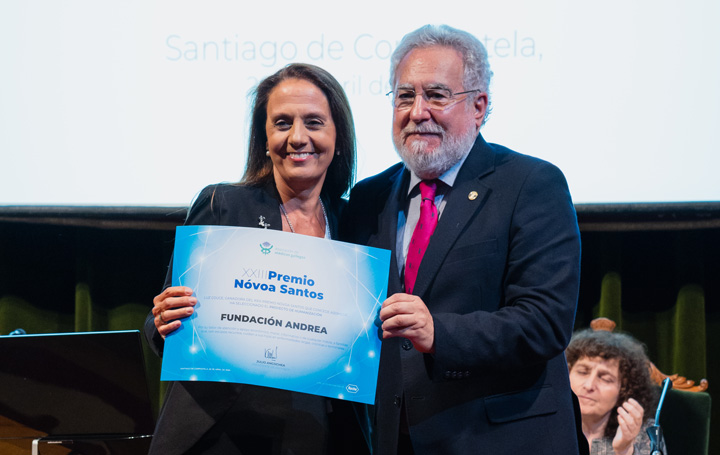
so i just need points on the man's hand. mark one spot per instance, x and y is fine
(407, 316)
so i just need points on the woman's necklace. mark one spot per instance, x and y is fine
(292, 229)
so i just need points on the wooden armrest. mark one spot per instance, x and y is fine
(679, 382)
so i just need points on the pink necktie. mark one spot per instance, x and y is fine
(421, 235)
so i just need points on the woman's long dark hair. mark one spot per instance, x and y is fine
(341, 173)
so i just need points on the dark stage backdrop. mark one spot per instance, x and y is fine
(655, 270)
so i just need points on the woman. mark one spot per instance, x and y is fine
(609, 374)
(301, 160)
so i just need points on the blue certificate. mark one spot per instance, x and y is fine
(278, 310)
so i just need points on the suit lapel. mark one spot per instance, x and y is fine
(464, 201)
(388, 207)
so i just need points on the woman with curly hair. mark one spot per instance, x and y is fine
(609, 373)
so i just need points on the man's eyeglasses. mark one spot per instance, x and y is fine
(435, 98)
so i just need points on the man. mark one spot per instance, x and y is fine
(477, 320)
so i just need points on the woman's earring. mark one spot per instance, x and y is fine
(337, 152)
(267, 152)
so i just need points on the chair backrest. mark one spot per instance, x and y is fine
(685, 421)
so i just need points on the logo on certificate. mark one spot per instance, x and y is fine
(352, 388)
(270, 358)
(271, 353)
(265, 247)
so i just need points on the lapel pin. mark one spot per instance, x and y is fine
(473, 195)
(262, 222)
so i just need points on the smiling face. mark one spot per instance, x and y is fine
(596, 382)
(300, 135)
(429, 140)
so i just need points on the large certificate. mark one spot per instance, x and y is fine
(278, 310)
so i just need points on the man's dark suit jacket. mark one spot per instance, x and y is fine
(258, 419)
(500, 277)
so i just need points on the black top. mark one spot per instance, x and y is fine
(225, 418)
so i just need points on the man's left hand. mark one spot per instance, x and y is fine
(407, 316)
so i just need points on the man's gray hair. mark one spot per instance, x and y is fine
(477, 73)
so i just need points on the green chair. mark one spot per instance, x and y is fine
(685, 421)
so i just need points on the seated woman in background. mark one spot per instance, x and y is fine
(610, 376)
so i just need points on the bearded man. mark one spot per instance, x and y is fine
(485, 269)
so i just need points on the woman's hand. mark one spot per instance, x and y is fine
(170, 306)
(630, 419)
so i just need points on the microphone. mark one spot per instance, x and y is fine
(655, 432)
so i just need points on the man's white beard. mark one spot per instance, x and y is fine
(431, 165)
